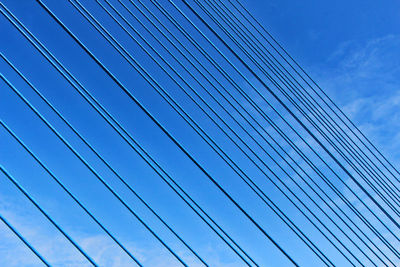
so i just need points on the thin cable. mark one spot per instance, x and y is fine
(297, 166)
(48, 217)
(294, 116)
(141, 150)
(265, 116)
(164, 130)
(66, 143)
(160, 66)
(103, 160)
(65, 188)
(22, 238)
(329, 99)
(192, 99)
(233, 40)
(119, 45)
(308, 105)
(109, 166)
(390, 205)
(310, 102)
(319, 88)
(300, 137)
(261, 127)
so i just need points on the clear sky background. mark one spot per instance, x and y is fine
(351, 48)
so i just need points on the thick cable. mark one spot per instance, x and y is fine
(105, 163)
(66, 143)
(178, 84)
(163, 129)
(283, 133)
(295, 117)
(297, 166)
(90, 99)
(294, 130)
(248, 114)
(311, 107)
(315, 91)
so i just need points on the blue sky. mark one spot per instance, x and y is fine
(351, 49)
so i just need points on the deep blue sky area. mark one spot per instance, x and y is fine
(350, 48)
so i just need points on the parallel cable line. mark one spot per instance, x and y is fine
(266, 117)
(192, 76)
(37, 205)
(390, 205)
(377, 204)
(319, 89)
(103, 29)
(242, 117)
(119, 45)
(65, 189)
(107, 164)
(304, 103)
(209, 137)
(223, 122)
(117, 82)
(94, 172)
(27, 149)
(151, 162)
(223, 107)
(281, 133)
(58, 181)
(366, 167)
(22, 238)
(306, 95)
(228, 126)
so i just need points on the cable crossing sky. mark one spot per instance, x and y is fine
(179, 132)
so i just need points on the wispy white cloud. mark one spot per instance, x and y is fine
(58, 252)
(363, 78)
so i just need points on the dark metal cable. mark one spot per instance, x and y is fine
(33, 201)
(223, 121)
(390, 205)
(114, 40)
(51, 173)
(22, 238)
(314, 151)
(220, 26)
(298, 166)
(300, 153)
(263, 114)
(295, 117)
(342, 140)
(309, 106)
(164, 130)
(64, 188)
(176, 73)
(253, 40)
(141, 150)
(319, 88)
(66, 143)
(108, 165)
(229, 113)
(170, 76)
